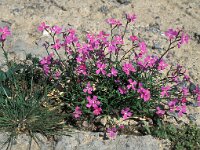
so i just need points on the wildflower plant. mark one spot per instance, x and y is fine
(101, 77)
(113, 74)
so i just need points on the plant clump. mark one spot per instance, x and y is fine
(107, 75)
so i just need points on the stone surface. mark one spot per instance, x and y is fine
(88, 141)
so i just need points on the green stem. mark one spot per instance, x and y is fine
(125, 29)
(5, 54)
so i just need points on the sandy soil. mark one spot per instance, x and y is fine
(89, 15)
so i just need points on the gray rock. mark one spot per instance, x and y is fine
(4, 23)
(126, 2)
(86, 141)
(154, 27)
(156, 45)
(103, 9)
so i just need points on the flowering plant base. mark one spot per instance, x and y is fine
(104, 80)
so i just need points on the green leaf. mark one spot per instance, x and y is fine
(2, 76)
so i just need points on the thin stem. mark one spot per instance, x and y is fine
(47, 47)
(5, 54)
(54, 49)
(169, 47)
(126, 54)
(53, 37)
(111, 33)
(125, 29)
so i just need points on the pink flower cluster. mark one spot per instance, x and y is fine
(128, 68)
(113, 72)
(144, 93)
(4, 33)
(77, 113)
(45, 62)
(165, 90)
(160, 112)
(112, 132)
(131, 17)
(126, 113)
(94, 62)
(172, 34)
(178, 106)
(197, 92)
(94, 103)
(88, 89)
(113, 22)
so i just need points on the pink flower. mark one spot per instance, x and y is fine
(118, 40)
(162, 65)
(68, 50)
(112, 132)
(46, 60)
(198, 99)
(114, 22)
(103, 37)
(128, 68)
(77, 113)
(88, 89)
(42, 27)
(113, 72)
(122, 90)
(101, 68)
(159, 112)
(56, 29)
(57, 74)
(131, 17)
(171, 34)
(57, 45)
(165, 90)
(4, 33)
(172, 105)
(121, 126)
(92, 102)
(143, 48)
(81, 69)
(46, 69)
(181, 110)
(132, 84)
(184, 39)
(71, 37)
(112, 47)
(83, 50)
(185, 91)
(126, 113)
(133, 38)
(144, 94)
(183, 100)
(150, 61)
(97, 111)
(186, 77)
(175, 79)
(80, 59)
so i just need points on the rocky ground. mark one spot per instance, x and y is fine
(153, 18)
(88, 141)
